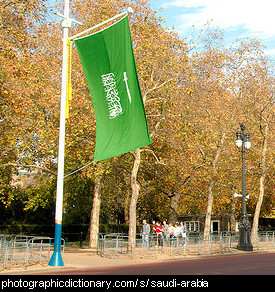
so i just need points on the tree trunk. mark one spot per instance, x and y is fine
(135, 193)
(94, 221)
(255, 226)
(207, 224)
(173, 214)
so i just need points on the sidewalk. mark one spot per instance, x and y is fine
(76, 260)
(84, 258)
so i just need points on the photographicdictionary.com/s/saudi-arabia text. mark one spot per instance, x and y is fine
(105, 284)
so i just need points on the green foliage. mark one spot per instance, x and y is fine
(78, 194)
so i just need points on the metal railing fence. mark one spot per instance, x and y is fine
(266, 240)
(24, 250)
(117, 244)
(112, 244)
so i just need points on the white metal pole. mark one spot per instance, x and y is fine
(56, 259)
(100, 24)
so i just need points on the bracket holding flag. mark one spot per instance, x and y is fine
(129, 10)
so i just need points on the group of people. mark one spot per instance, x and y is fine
(161, 231)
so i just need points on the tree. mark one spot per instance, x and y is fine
(258, 102)
(158, 70)
(27, 113)
(212, 120)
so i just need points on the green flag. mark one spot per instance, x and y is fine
(108, 62)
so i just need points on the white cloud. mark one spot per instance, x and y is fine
(255, 16)
(270, 52)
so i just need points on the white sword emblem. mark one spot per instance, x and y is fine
(127, 87)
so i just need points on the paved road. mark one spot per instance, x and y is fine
(243, 264)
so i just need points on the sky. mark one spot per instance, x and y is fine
(237, 18)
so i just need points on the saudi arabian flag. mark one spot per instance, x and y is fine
(108, 62)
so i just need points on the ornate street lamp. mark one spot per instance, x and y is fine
(244, 243)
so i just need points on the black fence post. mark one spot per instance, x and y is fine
(80, 243)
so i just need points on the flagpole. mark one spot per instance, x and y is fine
(56, 259)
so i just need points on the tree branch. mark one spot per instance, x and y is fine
(158, 161)
(28, 166)
(155, 87)
(156, 127)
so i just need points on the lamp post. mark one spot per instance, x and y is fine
(243, 143)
